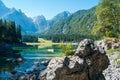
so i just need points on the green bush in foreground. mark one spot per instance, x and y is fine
(66, 49)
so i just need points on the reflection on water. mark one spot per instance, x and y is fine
(44, 45)
(6, 68)
(34, 55)
(37, 51)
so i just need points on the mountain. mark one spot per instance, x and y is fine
(3, 9)
(59, 17)
(81, 21)
(43, 25)
(40, 23)
(27, 24)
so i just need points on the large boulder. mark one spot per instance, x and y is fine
(87, 63)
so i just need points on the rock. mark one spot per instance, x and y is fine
(85, 48)
(22, 77)
(104, 44)
(45, 62)
(9, 59)
(113, 70)
(31, 75)
(54, 64)
(13, 72)
(75, 61)
(15, 60)
(29, 70)
(87, 63)
(108, 44)
(19, 60)
(36, 63)
(116, 45)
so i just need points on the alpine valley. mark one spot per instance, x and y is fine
(29, 25)
(64, 22)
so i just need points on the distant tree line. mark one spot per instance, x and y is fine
(29, 38)
(68, 37)
(10, 32)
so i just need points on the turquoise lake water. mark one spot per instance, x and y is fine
(33, 55)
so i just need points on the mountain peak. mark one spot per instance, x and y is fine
(38, 18)
(61, 16)
(20, 10)
(64, 13)
(41, 16)
(2, 4)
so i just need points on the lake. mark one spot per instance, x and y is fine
(34, 56)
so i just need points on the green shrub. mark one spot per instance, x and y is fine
(66, 49)
(110, 34)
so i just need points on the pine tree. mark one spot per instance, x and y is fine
(9, 32)
(18, 32)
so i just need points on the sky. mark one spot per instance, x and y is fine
(49, 8)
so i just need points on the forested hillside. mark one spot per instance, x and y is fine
(80, 22)
(100, 21)
(108, 19)
(74, 28)
(10, 32)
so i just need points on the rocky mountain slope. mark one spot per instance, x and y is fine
(44, 25)
(37, 24)
(18, 17)
(81, 21)
(59, 17)
(3, 9)
(40, 23)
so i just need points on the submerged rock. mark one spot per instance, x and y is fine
(87, 63)
(15, 60)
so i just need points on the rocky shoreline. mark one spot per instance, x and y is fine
(89, 62)
(30, 73)
(113, 70)
(111, 73)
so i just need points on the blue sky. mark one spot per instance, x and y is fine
(49, 8)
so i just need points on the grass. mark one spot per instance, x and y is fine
(117, 61)
(112, 50)
(111, 39)
(40, 42)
